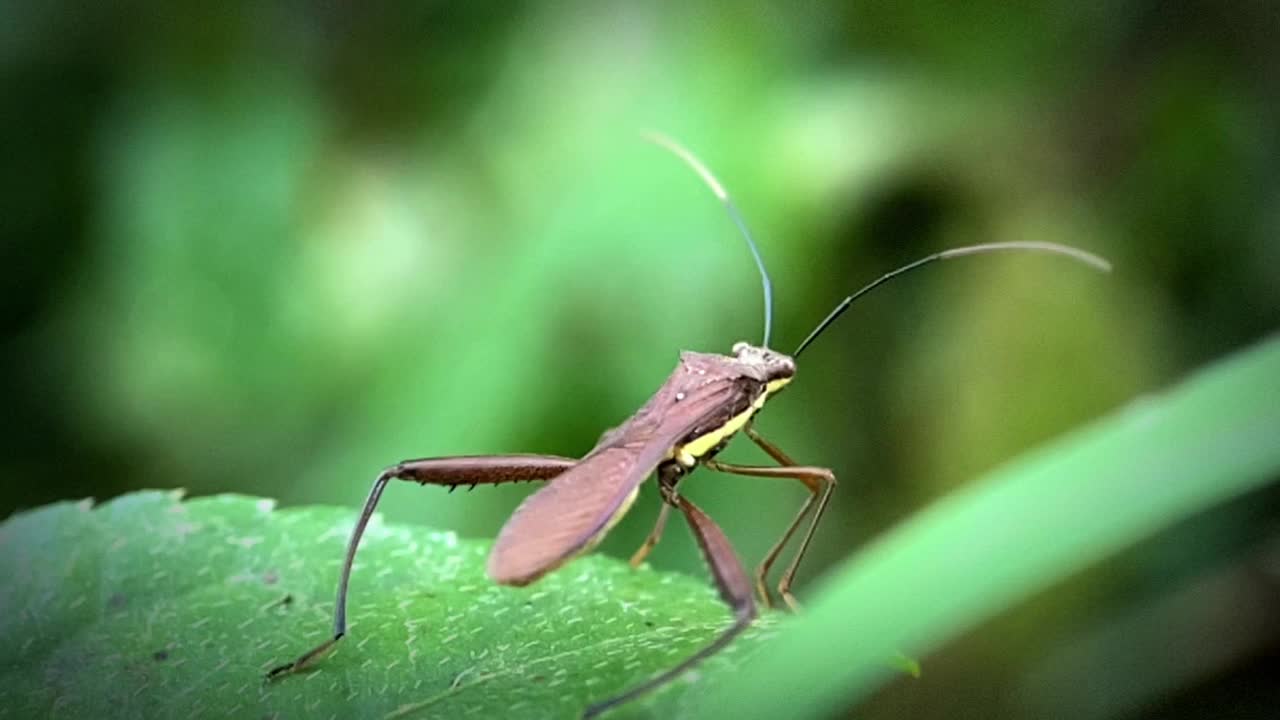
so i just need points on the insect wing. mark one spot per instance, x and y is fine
(573, 512)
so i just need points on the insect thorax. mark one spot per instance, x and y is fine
(756, 373)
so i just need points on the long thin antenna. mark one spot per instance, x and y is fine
(1075, 254)
(679, 151)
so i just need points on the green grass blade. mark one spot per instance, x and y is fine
(1026, 525)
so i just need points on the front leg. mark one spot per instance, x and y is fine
(451, 471)
(819, 481)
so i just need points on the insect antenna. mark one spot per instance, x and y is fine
(692, 161)
(1087, 258)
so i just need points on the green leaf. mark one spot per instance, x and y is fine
(1018, 530)
(151, 607)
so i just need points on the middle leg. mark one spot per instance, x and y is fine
(668, 477)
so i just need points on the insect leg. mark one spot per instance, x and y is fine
(735, 590)
(668, 477)
(451, 471)
(652, 539)
(820, 482)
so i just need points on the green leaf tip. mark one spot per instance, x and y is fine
(906, 664)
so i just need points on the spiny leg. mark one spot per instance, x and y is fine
(452, 472)
(820, 482)
(668, 477)
(735, 590)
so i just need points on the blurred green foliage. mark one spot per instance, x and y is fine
(273, 249)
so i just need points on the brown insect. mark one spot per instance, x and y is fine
(701, 406)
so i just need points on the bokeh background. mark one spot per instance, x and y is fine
(272, 249)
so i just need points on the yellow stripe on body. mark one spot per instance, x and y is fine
(689, 453)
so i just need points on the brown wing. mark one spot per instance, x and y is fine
(573, 512)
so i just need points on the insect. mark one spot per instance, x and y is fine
(705, 402)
